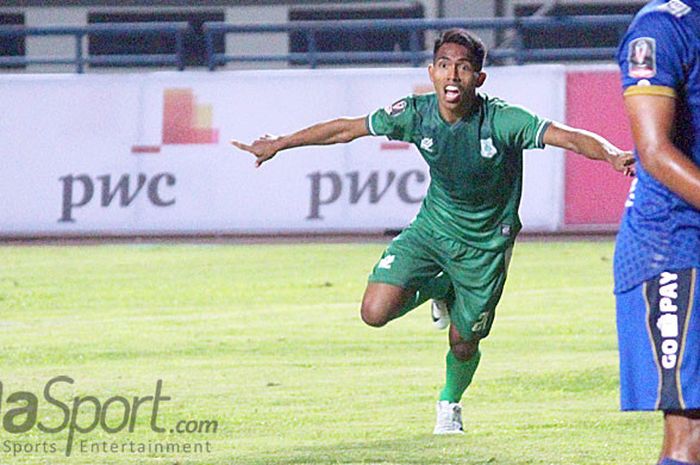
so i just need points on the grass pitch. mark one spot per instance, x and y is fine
(266, 340)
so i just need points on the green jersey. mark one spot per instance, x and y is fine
(476, 164)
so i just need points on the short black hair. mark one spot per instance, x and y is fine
(477, 51)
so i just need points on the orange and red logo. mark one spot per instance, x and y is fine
(184, 122)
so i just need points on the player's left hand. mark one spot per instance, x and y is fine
(623, 162)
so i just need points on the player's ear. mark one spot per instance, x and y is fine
(480, 78)
(431, 70)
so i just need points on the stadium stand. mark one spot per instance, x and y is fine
(82, 35)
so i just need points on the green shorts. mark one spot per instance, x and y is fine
(477, 276)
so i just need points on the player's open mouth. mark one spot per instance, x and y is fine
(452, 94)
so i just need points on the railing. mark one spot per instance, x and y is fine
(175, 29)
(416, 55)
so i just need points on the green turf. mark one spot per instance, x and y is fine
(267, 340)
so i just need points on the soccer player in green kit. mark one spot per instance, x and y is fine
(456, 250)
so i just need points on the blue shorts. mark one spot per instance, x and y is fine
(658, 327)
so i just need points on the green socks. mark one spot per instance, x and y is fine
(439, 287)
(459, 373)
(459, 376)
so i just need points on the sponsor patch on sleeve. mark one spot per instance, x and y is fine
(396, 108)
(642, 58)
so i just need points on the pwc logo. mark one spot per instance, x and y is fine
(184, 122)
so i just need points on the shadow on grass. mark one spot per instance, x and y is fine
(415, 450)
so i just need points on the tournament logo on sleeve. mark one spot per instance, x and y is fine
(676, 8)
(396, 108)
(642, 58)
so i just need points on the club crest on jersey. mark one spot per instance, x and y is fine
(396, 108)
(642, 58)
(427, 144)
(488, 150)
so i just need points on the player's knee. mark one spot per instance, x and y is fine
(382, 303)
(373, 315)
(374, 312)
(464, 350)
(684, 426)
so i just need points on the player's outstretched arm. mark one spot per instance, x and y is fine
(652, 118)
(590, 145)
(336, 131)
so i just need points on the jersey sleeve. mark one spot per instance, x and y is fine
(395, 121)
(520, 128)
(651, 56)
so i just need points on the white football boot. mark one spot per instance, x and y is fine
(440, 314)
(449, 418)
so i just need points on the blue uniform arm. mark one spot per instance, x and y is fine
(652, 118)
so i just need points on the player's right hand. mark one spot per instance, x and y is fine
(263, 148)
(623, 162)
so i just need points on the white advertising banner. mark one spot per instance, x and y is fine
(150, 153)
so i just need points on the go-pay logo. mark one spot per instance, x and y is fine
(23, 417)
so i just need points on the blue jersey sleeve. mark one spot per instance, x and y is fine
(651, 55)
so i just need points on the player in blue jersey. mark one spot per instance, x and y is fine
(657, 256)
